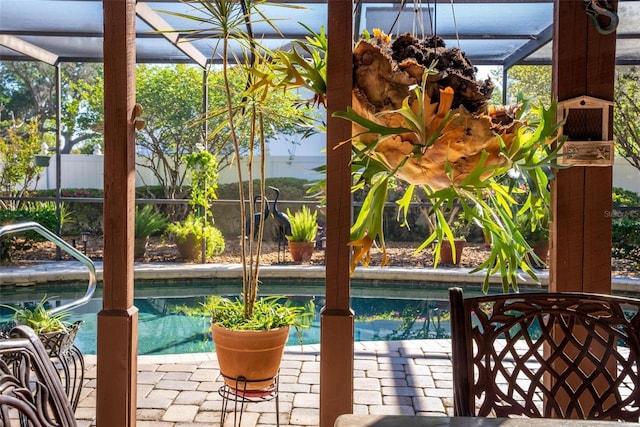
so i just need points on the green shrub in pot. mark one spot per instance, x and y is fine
(304, 225)
(149, 221)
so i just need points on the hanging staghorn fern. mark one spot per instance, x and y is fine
(420, 116)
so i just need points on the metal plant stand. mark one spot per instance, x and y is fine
(68, 360)
(239, 395)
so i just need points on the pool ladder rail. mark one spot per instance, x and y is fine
(34, 226)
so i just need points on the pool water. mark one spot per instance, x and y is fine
(382, 312)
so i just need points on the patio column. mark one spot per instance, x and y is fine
(583, 64)
(118, 320)
(336, 319)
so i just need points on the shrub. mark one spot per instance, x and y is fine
(622, 197)
(42, 213)
(84, 216)
(196, 228)
(148, 221)
(39, 317)
(304, 225)
(626, 240)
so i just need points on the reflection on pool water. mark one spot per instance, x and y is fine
(383, 311)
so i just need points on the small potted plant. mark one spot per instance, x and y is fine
(54, 331)
(189, 235)
(58, 337)
(147, 222)
(251, 348)
(197, 229)
(304, 229)
(460, 230)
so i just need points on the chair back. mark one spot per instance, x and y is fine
(551, 355)
(30, 390)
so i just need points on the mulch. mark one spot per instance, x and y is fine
(400, 254)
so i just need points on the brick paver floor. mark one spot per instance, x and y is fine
(390, 377)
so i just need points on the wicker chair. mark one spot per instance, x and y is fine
(30, 390)
(551, 355)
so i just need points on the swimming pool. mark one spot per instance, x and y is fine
(383, 311)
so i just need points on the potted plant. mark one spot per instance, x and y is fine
(58, 337)
(460, 230)
(54, 331)
(304, 230)
(192, 233)
(148, 221)
(420, 116)
(247, 111)
(250, 350)
(196, 233)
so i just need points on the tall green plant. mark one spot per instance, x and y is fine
(246, 120)
(202, 168)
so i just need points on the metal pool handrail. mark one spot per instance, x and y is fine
(34, 226)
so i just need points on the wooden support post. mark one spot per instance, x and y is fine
(583, 64)
(336, 320)
(118, 320)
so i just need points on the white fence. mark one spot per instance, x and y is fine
(87, 171)
(625, 175)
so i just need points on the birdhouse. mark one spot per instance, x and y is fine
(587, 122)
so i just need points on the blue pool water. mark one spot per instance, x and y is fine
(382, 311)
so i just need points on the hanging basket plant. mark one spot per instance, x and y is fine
(420, 117)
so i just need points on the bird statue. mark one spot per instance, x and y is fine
(257, 217)
(282, 223)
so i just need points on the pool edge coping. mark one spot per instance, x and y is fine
(51, 271)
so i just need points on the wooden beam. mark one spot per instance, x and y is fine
(156, 22)
(32, 51)
(118, 319)
(336, 319)
(583, 64)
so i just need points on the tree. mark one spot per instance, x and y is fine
(171, 97)
(82, 107)
(626, 122)
(28, 90)
(536, 81)
(18, 172)
(530, 80)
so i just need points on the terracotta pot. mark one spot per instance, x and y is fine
(301, 251)
(446, 256)
(254, 356)
(140, 246)
(189, 249)
(487, 243)
(541, 249)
